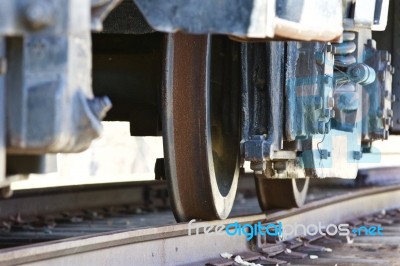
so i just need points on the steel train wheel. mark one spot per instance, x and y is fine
(281, 193)
(201, 130)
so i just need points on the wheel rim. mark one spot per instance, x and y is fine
(299, 184)
(281, 193)
(201, 151)
(300, 188)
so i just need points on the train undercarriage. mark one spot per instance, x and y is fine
(300, 89)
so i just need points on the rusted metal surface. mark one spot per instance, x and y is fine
(171, 245)
(28, 204)
(201, 164)
(41, 215)
(281, 193)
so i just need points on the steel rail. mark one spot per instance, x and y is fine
(41, 201)
(171, 245)
(30, 203)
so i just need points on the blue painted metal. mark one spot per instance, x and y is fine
(378, 95)
(50, 104)
(309, 90)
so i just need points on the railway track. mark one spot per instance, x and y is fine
(299, 90)
(30, 203)
(136, 234)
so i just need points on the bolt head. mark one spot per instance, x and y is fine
(357, 155)
(324, 154)
(258, 165)
(279, 166)
(39, 15)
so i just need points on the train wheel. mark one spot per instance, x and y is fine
(200, 125)
(281, 193)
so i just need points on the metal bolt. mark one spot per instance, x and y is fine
(258, 165)
(39, 14)
(357, 155)
(362, 74)
(280, 166)
(325, 154)
(100, 106)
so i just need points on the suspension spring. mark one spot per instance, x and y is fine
(346, 66)
(343, 52)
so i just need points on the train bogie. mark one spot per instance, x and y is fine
(300, 89)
